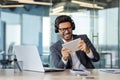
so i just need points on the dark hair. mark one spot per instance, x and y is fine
(63, 18)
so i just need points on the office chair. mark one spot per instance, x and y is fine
(5, 62)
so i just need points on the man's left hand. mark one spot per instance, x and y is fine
(83, 47)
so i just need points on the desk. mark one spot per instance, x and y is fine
(65, 75)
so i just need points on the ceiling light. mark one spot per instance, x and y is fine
(89, 5)
(58, 9)
(10, 6)
(33, 2)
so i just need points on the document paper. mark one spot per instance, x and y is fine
(114, 71)
(82, 72)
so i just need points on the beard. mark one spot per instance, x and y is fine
(68, 36)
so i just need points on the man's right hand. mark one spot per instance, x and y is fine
(65, 53)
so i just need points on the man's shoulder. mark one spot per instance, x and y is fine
(57, 43)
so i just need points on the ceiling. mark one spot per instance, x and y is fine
(108, 2)
(104, 3)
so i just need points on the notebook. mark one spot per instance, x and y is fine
(30, 57)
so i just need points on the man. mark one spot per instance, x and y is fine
(64, 58)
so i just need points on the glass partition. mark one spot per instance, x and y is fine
(99, 20)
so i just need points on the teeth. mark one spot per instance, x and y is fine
(67, 35)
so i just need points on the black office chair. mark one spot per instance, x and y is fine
(5, 63)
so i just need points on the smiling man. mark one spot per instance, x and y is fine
(64, 58)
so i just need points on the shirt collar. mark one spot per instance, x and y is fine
(65, 40)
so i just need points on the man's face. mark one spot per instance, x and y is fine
(65, 30)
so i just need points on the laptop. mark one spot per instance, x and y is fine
(30, 57)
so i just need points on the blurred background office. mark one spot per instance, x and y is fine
(31, 22)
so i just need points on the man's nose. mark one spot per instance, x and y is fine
(66, 31)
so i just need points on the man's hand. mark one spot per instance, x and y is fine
(83, 47)
(65, 53)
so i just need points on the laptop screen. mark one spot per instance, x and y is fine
(30, 57)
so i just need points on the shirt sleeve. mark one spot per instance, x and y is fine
(90, 54)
